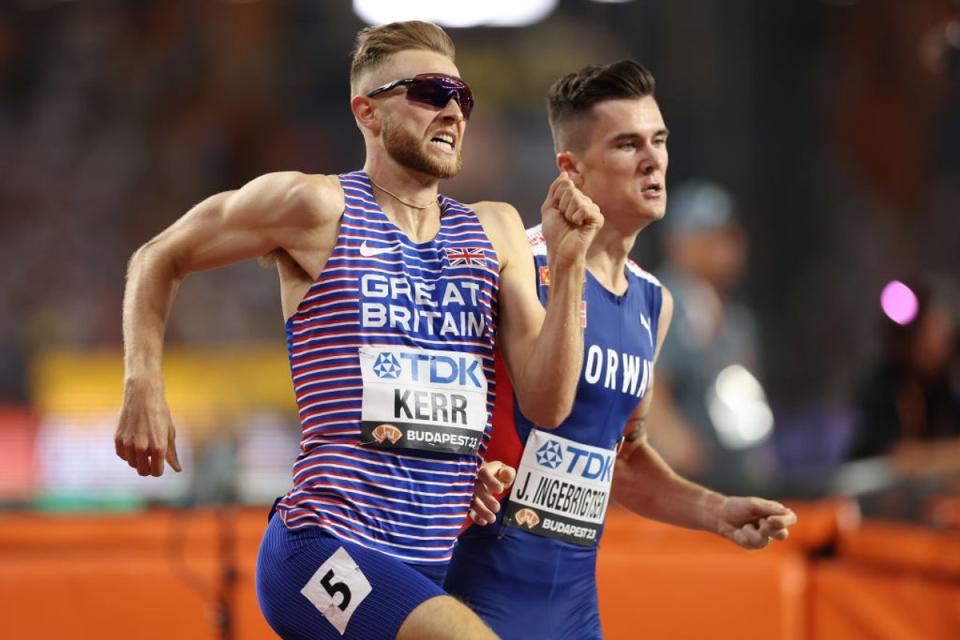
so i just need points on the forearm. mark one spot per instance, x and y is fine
(646, 485)
(547, 381)
(152, 282)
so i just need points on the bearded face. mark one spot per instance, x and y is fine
(416, 153)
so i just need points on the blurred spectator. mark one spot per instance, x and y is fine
(709, 416)
(909, 400)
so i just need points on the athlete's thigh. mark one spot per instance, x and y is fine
(444, 618)
(312, 586)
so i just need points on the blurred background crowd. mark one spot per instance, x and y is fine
(812, 243)
(815, 158)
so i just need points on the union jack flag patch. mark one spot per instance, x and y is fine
(465, 256)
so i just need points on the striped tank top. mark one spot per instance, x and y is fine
(391, 352)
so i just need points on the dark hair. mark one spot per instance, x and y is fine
(573, 96)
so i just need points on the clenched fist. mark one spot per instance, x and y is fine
(570, 221)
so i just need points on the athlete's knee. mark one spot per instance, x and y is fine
(444, 618)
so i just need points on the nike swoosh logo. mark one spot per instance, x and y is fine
(368, 252)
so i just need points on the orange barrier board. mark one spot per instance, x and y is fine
(123, 577)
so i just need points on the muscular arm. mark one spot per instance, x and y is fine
(543, 350)
(274, 211)
(645, 484)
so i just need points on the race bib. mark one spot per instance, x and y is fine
(422, 399)
(562, 489)
(337, 588)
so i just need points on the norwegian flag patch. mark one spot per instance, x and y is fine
(544, 276)
(465, 256)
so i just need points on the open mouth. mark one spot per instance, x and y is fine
(444, 140)
(653, 190)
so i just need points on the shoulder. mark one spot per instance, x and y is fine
(666, 307)
(292, 194)
(317, 194)
(639, 272)
(666, 316)
(496, 214)
(651, 282)
(502, 224)
(290, 182)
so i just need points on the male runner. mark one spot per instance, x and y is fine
(392, 295)
(532, 575)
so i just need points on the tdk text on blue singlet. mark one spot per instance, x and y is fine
(391, 352)
(564, 475)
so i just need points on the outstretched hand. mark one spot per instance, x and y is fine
(570, 220)
(753, 523)
(493, 480)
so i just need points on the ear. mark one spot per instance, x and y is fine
(567, 161)
(365, 113)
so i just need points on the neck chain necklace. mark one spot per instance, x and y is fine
(401, 200)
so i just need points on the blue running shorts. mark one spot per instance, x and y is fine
(314, 586)
(527, 587)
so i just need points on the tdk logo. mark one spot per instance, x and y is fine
(550, 455)
(434, 369)
(386, 366)
(583, 463)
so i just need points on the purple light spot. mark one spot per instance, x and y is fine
(899, 302)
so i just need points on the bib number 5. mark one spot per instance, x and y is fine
(337, 588)
(333, 588)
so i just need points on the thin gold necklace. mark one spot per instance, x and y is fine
(401, 200)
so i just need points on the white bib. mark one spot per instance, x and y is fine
(424, 399)
(562, 489)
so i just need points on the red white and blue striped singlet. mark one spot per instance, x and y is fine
(391, 352)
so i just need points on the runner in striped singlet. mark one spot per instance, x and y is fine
(531, 576)
(393, 295)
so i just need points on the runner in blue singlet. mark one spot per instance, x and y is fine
(392, 296)
(531, 574)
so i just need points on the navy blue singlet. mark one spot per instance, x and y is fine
(532, 574)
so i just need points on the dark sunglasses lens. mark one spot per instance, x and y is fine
(437, 92)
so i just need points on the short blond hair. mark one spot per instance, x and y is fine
(376, 44)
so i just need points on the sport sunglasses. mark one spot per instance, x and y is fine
(434, 89)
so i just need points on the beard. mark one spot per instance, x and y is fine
(408, 151)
